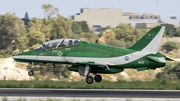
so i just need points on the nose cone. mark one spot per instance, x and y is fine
(21, 55)
(16, 56)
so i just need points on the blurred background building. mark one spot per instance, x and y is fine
(100, 18)
(108, 18)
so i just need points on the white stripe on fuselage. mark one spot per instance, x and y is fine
(110, 61)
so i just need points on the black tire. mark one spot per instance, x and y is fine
(89, 79)
(98, 78)
(30, 73)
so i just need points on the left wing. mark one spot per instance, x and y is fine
(95, 64)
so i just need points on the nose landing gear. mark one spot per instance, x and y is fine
(90, 79)
(30, 72)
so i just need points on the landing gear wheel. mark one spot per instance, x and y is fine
(98, 78)
(89, 80)
(30, 73)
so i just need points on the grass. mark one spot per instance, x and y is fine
(151, 85)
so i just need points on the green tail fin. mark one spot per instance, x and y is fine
(150, 42)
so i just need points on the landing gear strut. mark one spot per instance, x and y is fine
(90, 79)
(30, 72)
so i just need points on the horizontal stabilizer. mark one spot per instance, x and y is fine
(169, 59)
(157, 59)
(166, 57)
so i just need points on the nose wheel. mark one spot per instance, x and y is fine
(31, 72)
(90, 79)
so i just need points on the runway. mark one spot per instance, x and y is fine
(95, 93)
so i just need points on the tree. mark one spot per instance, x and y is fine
(22, 43)
(123, 36)
(89, 36)
(84, 26)
(169, 46)
(79, 26)
(35, 24)
(171, 72)
(76, 28)
(46, 28)
(12, 33)
(49, 10)
(34, 46)
(177, 34)
(170, 29)
(35, 34)
(61, 28)
(35, 37)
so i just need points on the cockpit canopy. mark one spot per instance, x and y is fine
(58, 43)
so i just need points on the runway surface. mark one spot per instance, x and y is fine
(90, 93)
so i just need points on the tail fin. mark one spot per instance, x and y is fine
(150, 42)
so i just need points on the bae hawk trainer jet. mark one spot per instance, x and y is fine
(90, 57)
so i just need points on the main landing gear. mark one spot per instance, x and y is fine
(90, 79)
(30, 72)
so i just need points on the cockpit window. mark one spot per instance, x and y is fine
(58, 43)
(52, 44)
(68, 42)
(39, 48)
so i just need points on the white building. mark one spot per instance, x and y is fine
(100, 18)
(174, 22)
(133, 22)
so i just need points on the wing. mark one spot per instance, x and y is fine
(96, 64)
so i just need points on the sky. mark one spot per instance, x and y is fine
(164, 8)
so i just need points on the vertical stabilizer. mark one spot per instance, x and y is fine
(150, 42)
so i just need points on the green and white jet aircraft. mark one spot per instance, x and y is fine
(90, 57)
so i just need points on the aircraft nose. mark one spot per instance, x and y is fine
(15, 56)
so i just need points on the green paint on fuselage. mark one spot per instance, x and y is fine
(84, 49)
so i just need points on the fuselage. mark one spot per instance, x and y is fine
(89, 57)
(86, 52)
